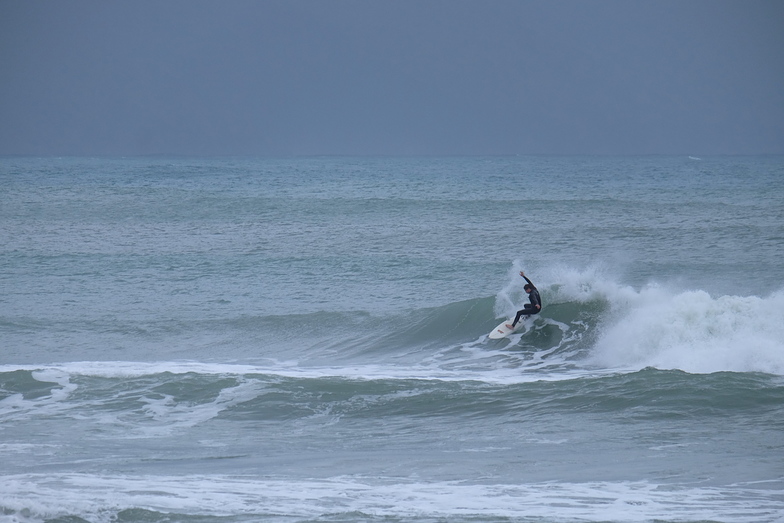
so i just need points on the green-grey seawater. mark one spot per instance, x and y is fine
(305, 339)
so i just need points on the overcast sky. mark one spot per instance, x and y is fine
(396, 77)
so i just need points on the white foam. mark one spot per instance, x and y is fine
(99, 497)
(430, 369)
(170, 416)
(694, 332)
(16, 405)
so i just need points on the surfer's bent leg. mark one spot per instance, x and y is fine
(529, 309)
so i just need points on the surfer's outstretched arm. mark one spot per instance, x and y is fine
(526, 279)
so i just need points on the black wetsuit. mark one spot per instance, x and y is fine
(530, 308)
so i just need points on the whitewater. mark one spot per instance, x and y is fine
(305, 339)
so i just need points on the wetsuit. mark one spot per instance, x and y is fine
(530, 308)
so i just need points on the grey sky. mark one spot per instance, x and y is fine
(431, 77)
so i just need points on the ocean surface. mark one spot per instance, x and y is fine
(295, 340)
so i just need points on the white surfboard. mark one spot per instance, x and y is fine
(502, 331)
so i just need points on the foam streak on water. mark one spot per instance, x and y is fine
(346, 498)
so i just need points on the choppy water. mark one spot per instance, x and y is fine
(293, 340)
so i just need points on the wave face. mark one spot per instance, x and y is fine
(306, 340)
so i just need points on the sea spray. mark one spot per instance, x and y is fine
(695, 332)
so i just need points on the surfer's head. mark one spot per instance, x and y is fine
(528, 287)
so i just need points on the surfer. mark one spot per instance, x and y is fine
(535, 300)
